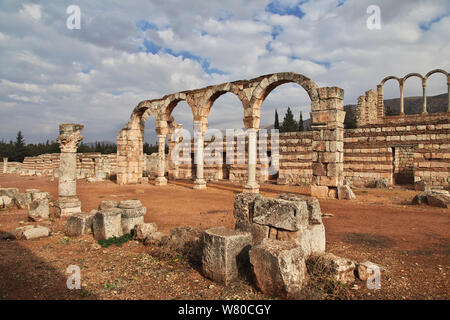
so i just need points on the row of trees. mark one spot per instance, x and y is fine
(289, 123)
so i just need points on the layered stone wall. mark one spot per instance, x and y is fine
(402, 149)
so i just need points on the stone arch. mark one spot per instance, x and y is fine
(265, 84)
(438, 71)
(390, 78)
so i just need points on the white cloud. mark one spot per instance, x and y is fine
(32, 11)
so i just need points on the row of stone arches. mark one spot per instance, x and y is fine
(401, 83)
(327, 118)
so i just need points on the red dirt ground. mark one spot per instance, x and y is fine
(411, 242)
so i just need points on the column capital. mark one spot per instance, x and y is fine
(69, 137)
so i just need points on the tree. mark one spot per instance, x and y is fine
(300, 123)
(19, 146)
(289, 124)
(276, 125)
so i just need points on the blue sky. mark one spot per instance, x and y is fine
(126, 52)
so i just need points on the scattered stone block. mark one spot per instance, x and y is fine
(422, 185)
(9, 192)
(225, 254)
(144, 230)
(328, 264)
(381, 183)
(79, 224)
(258, 232)
(107, 204)
(367, 269)
(435, 198)
(38, 210)
(319, 192)
(345, 193)
(107, 224)
(131, 218)
(279, 268)
(6, 202)
(282, 214)
(315, 213)
(185, 240)
(243, 205)
(40, 196)
(154, 238)
(36, 232)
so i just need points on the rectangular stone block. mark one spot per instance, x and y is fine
(107, 224)
(281, 214)
(243, 205)
(225, 254)
(38, 210)
(258, 232)
(279, 268)
(79, 224)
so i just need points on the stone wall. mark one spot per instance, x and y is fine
(407, 148)
(88, 165)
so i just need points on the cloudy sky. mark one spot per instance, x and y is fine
(128, 51)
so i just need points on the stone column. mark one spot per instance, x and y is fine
(5, 165)
(448, 94)
(69, 138)
(327, 125)
(161, 180)
(380, 102)
(199, 182)
(402, 106)
(251, 186)
(424, 89)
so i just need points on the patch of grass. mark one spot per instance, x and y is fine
(85, 293)
(179, 258)
(370, 240)
(65, 240)
(118, 241)
(113, 285)
(424, 252)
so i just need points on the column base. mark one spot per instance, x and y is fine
(160, 181)
(65, 207)
(200, 184)
(252, 187)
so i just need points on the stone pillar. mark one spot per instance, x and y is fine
(69, 138)
(327, 124)
(199, 133)
(161, 180)
(251, 186)
(402, 105)
(424, 89)
(448, 95)
(380, 102)
(5, 165)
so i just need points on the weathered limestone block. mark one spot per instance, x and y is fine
(131, 218)
(225, 254)
(279, 268)
(243, 205)
(9, 192)
(381, 183)
(422, 186)
(311, 239)
(79, 224)
(6, 202)
(40, 196)
(345, 193)
(29, 233)
(107, 224)
(315, 213)
(37, 232)
(340, 269)
(257, 231)
(154, 239)
(144, 230)
(433, 198)
(367, 269)
(67, 206)
(282, 214)
(38, 210)
(107, 204)
(185, 240)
